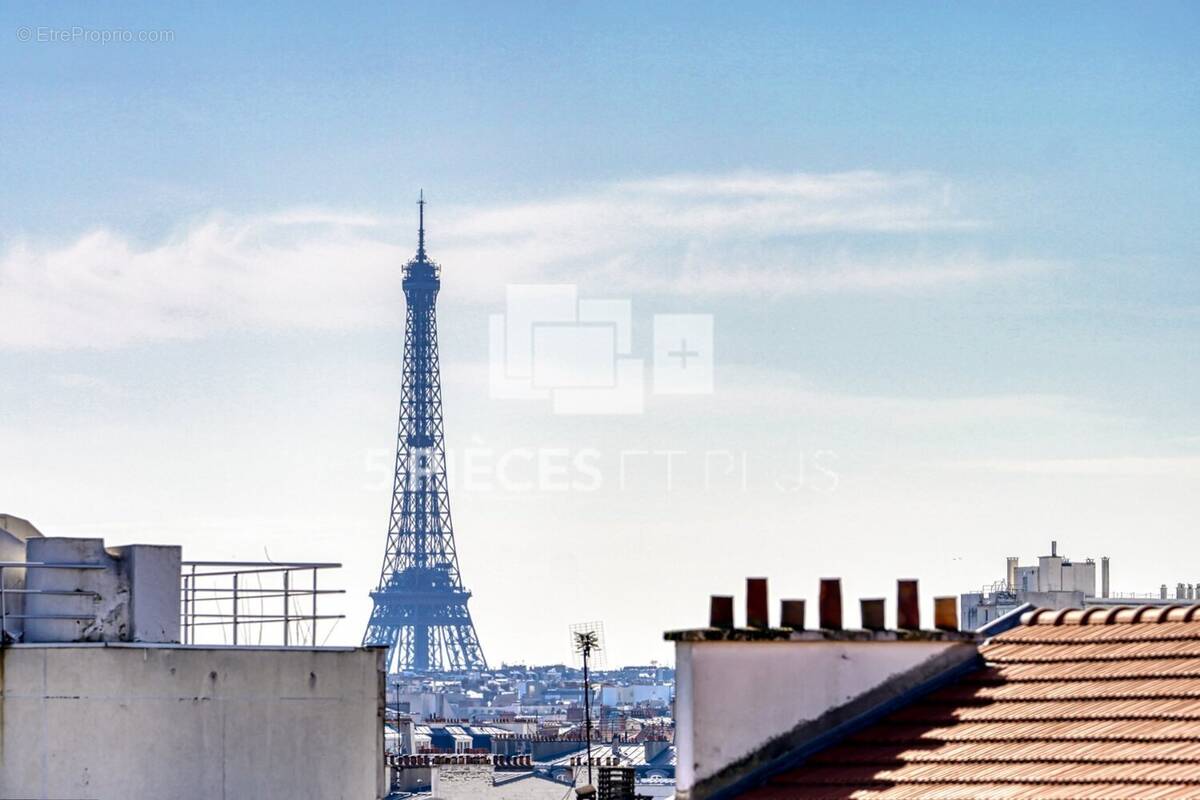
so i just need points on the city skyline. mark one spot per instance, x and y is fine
(948, 259)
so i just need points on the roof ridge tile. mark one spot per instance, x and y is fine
(1115, 615)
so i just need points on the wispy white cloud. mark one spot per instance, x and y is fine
(743, 205)
(295, 270)
(824, 187)
(806, 274)
(78, 381)
(1118, 466)
(767, 392)
(770, 390)
(737, 234)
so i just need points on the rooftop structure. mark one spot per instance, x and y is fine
(1046, 704)
(488, 776)
(101, 698)
(1068, 704)
(1056, 582)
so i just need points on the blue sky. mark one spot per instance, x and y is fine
(950, 247)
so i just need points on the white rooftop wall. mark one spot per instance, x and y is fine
(736, 698)
(112, 722)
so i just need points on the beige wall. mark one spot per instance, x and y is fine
(118, 721)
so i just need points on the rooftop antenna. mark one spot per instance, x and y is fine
(421, 227)
(585, 642)
(587, 639)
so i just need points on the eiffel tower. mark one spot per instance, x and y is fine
(420, 605)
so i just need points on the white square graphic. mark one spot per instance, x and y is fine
(617, 312)
(626, 397)
(683, 354)
(526, 306)
(579, 352)
(500, 385)
(573, 356)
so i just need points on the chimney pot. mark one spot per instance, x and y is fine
(908, 607)
(831, 604)
(756, 603)
(791, 614)
(720, 612)
(872, 614)
(945, 613)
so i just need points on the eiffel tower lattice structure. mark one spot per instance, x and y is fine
(420, 611)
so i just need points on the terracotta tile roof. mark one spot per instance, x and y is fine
(1102, 704)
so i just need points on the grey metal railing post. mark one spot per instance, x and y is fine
(235, 607)
(192, 622)
(3, 608)
(314, 607)
(287, 625)
(186, 617)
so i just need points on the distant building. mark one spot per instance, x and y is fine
(1055, 582)
(542, 772)
(542, 693)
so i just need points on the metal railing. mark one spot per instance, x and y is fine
(231, 596)
(5, 593)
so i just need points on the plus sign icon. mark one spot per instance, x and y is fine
(683, 353)
(580, 353)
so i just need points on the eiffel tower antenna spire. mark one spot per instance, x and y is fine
(421, 227)
(420, 611)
